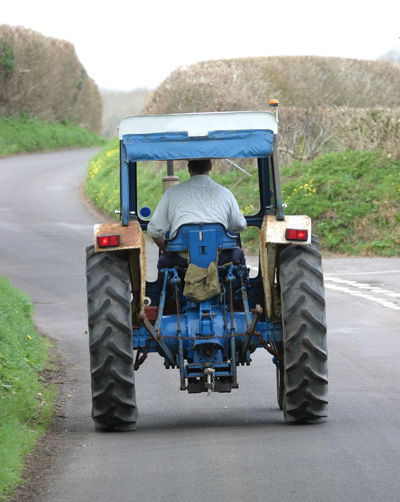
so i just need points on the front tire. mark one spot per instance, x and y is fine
(110, 341)
(305, 370)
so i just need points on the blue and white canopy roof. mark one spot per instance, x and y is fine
(198, 135)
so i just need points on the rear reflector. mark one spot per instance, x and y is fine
(107, 241)
(293, 234)
(151, 313)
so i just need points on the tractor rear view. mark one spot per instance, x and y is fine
(206, 318)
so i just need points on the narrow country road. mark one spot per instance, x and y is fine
(227, 447)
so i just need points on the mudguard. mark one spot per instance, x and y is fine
(131, 240)
(273, 234)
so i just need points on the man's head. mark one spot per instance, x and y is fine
(202, 166)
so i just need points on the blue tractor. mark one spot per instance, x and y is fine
(280, 308)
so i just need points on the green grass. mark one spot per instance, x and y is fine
(29, 134)
(352, 197)
(102, 182)
(26, 405)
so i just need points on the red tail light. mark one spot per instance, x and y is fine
(293, 234)
(151, 313)
(108, 241)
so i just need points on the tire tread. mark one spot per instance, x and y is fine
(110, 341)
(305, 373)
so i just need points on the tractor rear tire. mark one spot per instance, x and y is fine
(305, 369)
(110, 341)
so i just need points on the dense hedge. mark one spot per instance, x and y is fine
(43, 77)
(327, 104)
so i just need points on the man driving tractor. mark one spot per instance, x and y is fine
(197, 200)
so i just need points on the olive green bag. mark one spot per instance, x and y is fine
(201, 283)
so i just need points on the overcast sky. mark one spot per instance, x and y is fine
(130, 44)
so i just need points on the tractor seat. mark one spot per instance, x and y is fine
(202, 241)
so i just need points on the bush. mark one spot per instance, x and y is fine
(327, 104)
(42, 77)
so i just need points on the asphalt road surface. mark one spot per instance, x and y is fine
(227, 447)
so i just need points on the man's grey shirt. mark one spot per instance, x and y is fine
(197, 200)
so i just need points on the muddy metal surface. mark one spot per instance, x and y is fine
(193, 447)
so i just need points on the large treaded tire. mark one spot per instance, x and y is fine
(110, 341)
(305, 369)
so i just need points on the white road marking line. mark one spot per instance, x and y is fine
(344, 286)
(362, 285)
(369, 273)
(346, 289)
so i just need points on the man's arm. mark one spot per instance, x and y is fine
(236, 221)
(160, 241)
(159, 223)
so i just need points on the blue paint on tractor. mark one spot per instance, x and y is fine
(211, 335)
(206, 340)
(217, 144)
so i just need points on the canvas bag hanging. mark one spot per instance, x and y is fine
(201, 283)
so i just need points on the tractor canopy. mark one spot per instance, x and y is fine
(198, 135)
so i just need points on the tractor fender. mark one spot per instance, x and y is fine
(131, 242)
(272, 236)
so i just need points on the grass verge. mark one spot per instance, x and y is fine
(29, 134)
(353, 197)
(26, 404)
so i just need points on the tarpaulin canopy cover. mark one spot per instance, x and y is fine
(218, 144)
(198, 135)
